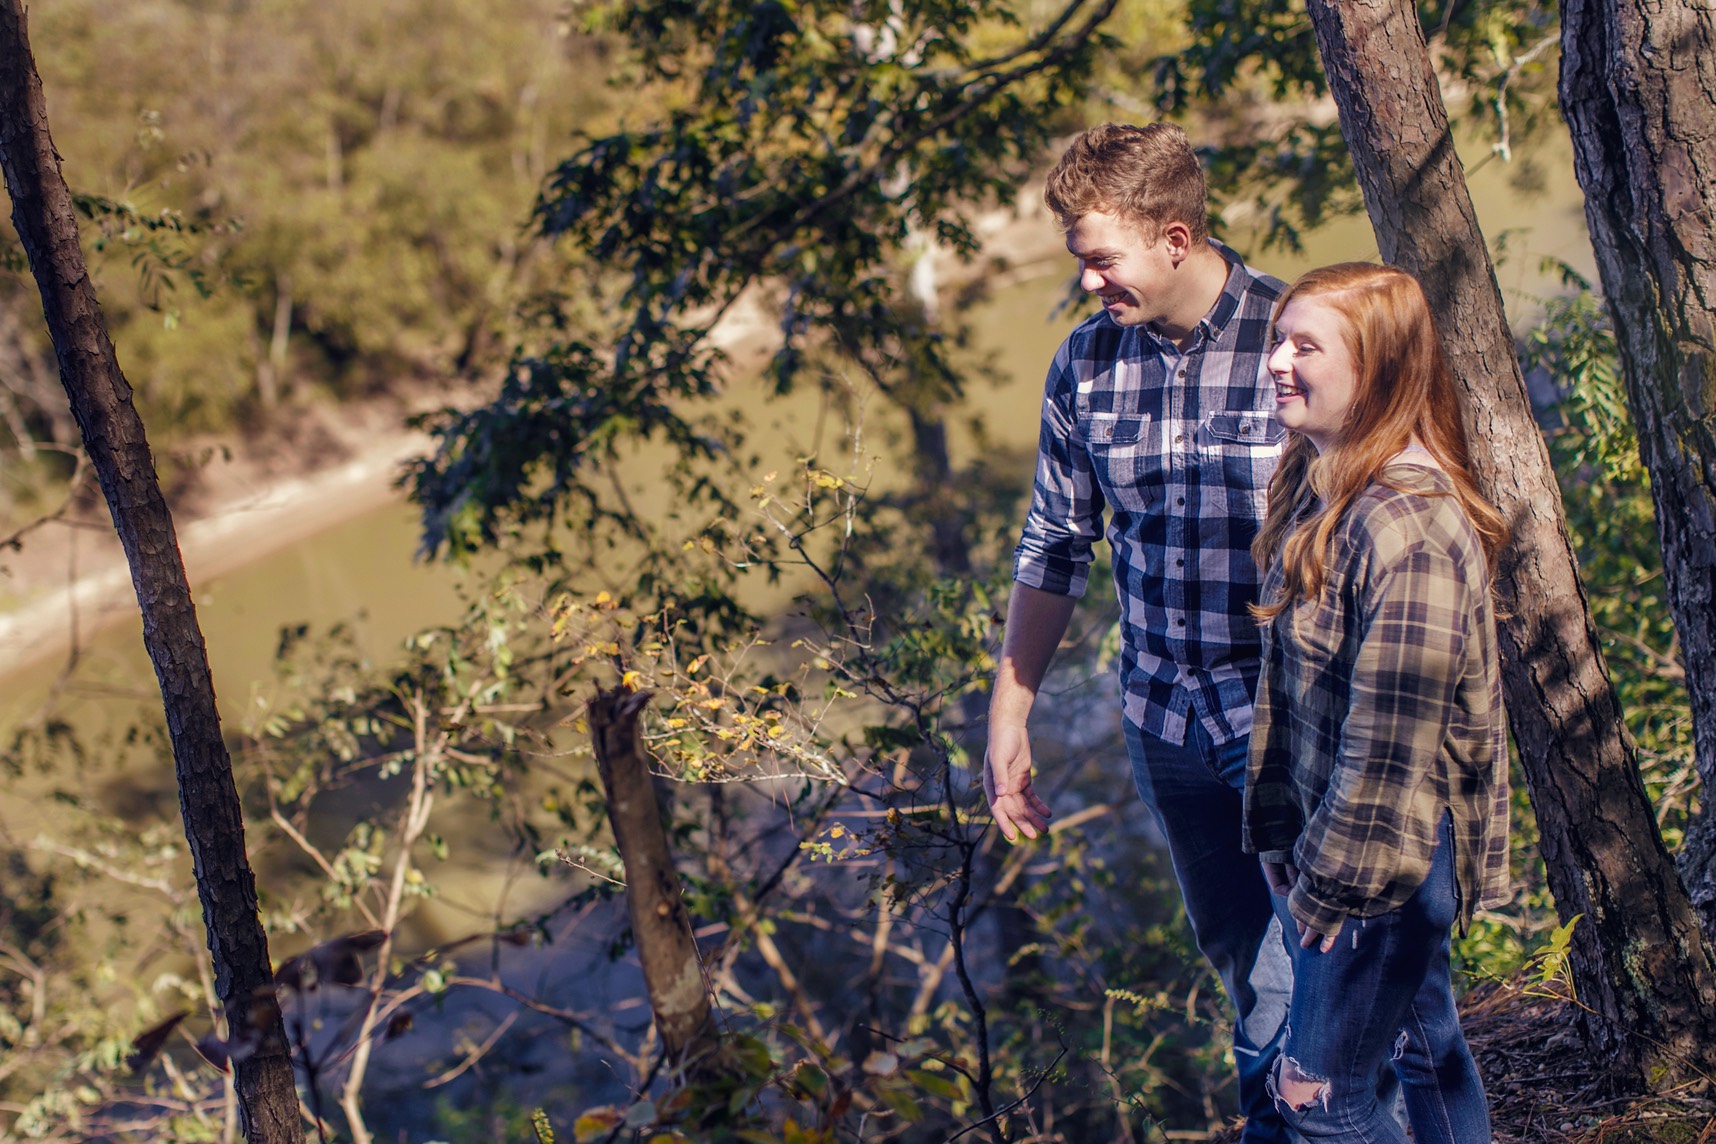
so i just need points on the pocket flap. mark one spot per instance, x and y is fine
(1112, 430)
(1244, 427)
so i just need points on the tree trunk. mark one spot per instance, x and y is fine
(672, 971)
(1638, 90)
(114, 439)
(1639, 959)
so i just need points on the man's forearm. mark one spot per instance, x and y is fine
(1036, 621)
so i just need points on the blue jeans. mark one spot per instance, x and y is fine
(1194, 793)
(1385, 994)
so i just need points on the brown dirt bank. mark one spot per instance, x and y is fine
(233, 502)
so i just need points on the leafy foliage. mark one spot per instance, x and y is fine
(1607, 496)
(807, 151)
(1252, 69)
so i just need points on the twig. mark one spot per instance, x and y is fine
(475, 1055)
(1003, 1111)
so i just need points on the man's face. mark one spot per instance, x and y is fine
(1133, 277)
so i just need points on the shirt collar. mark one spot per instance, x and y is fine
(1211, 325)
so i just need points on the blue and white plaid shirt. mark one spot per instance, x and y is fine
(1179, 447)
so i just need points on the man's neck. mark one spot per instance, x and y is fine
(1201, 278)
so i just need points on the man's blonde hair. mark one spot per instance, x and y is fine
(1145, 176)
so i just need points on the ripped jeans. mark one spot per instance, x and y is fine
(1384, 994)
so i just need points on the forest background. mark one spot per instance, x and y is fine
(304, 218)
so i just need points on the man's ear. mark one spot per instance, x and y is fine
(1177, 237)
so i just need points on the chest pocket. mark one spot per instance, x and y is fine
(1238, 450)
(1123, 457)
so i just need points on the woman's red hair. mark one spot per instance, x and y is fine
(1404, 391)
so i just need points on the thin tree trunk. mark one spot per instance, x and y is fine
(117, 448)
(1639, 959)
(1638, 90)
(672, 971)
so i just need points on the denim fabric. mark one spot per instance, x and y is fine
(1385, 993)
(1194, 793)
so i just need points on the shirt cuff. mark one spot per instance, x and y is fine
(1034, 571)
(1312, 912)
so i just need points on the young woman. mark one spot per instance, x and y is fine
(1376, 794)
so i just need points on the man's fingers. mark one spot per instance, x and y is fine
(1015, 814)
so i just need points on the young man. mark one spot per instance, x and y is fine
(1158, 410)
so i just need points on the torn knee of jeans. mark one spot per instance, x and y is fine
(1400, 1045)
(1295, 1088)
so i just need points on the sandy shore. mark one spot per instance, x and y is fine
(70, 575)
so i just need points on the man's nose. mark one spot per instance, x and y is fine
(1089, 280)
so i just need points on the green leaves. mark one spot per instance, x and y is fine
(802, 149)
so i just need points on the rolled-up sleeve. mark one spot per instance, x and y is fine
(1055, 550)
(1368, 846)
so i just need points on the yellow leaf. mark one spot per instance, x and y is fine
(596, 1122)
(630, 680)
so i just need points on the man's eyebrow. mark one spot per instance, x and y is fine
(1099, 252)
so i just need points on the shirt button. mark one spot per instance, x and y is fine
(1245, 430)
(1179, 500)
(1179, 562)
(1179, 437)
(1180, 622)
(1182, 373)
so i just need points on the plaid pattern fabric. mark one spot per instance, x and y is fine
(1380, 711)
(1179, 448)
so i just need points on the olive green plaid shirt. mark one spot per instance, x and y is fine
(1379, 711)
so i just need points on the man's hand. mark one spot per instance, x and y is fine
(1007, 782)
(1282, 877)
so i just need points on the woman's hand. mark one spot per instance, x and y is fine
(1282, 877)
(1311, 939)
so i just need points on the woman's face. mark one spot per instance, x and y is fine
(1315, 374)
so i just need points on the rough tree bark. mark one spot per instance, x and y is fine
(119, 452)
(673, 974)
(1639, 957)
(1638, 90)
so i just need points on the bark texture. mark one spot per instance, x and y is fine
(1639, 958)
(672, 971)
(1638, 90)
(119, 452)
